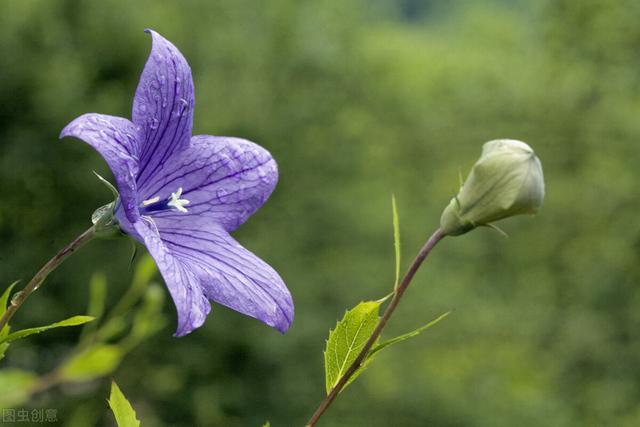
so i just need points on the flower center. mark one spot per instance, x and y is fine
(174, 202)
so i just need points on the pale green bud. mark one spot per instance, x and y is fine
(506, 180)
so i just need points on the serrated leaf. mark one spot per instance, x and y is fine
(72, 321)
(396, 236)
(94, 362)
(15, 385)
(376, 348)
(347, 339)
(122, 409)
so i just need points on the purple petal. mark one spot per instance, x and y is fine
(184, 285)
(116, 139)
(163, 106)
(229, 274)
(225, 180)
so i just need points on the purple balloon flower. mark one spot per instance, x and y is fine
(181, 195)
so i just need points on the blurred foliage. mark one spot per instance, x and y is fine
(355, 100)
(101, 347)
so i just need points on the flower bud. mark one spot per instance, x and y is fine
(506, 180)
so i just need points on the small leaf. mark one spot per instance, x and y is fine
(3, 349)
(15, 385)
(112, 328)
(392, 341)
(396, 237)
(4, 298)
(145, 270)
(72, 321)
(122, 409)
(267, 424)
(148, 318)
(97, 295)
(377, 347)
(94, 362)
(347, 339)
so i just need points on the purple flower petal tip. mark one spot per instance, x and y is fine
(181, 195)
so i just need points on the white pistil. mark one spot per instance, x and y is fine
(150, 201)
(176, 202)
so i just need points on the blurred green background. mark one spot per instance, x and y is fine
(355, 99)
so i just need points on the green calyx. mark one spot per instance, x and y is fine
(104, 220)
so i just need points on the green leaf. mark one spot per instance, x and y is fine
(4, 299)
(122, 409)
(3, 349)
(347, 339)
(96, 306)
(392, 341)
(94, 362)
(145, 270)
(72, 321)
(396, 236)
(97, 295)
(148, 318)
(267, 424)
(15, 386)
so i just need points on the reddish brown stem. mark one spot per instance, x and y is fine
(399, 291)
(20, 297)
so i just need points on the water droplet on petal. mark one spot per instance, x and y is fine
(153, 123)
(265, 178)
(182, 103)
(221, 193)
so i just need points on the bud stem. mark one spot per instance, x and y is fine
(397, 295)
(20, 297)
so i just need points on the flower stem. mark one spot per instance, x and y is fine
(20, 297)
(402, 287)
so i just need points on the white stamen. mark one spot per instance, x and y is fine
(150, 201)
(176, 202)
